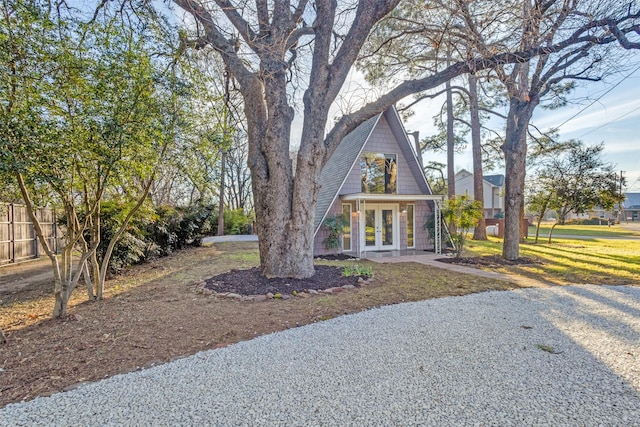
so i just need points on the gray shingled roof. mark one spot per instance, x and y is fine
(632, 201)
(339, 165)
(495, 180)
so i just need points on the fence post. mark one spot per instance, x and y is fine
(55, 232)
(12, 220)
(35, 235)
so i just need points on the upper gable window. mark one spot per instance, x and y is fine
(379, 173)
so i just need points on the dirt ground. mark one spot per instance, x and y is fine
(157, 312)
(17, 277)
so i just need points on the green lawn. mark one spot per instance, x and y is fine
(583, 230)
(567, 261)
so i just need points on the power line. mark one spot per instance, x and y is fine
(599, 97)
(629, 187)
(609, 122)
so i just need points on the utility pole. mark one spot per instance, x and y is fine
(223, 160)
(225, 137)
(621, 199)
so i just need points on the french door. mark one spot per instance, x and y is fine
(381, 227)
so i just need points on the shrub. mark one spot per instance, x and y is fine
(237, 221)
(335, 225)
(463, 214)
(589, 221)
(152, 232)
(177, 228)
(133, 246)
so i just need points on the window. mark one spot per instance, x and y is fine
(346, 228)
(410, 226)
(379, 173)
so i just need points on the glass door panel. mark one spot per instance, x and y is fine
(387, 227)
(370, 227)
(380, 227)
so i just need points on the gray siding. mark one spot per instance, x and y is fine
(382, 140)
(407, 149)
(336, 209)
(421, 236)
(422, 241)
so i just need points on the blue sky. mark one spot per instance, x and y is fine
(614, 119)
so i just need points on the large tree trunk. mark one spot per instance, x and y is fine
(480, 231)
(284, 211)
(515, 153)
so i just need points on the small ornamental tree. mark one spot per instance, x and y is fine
(576, 183)
(463, 214)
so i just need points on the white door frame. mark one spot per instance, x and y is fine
(378, 209)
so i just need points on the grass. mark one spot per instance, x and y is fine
(583, 230)
(571, 261)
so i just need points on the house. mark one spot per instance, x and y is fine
(492, 189)
(373, 179)
(631, 207)
(630, 211)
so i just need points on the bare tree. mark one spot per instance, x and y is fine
(239, 188)
(591, 27)
(263, 44)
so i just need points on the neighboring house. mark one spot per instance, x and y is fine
(631, 207)
(374, 181)
(492, 189)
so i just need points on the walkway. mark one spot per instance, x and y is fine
(420, 257)
(231, 238)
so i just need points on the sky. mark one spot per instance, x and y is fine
(613, 119)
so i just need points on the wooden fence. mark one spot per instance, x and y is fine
(18, 240)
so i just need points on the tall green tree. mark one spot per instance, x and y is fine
(106, 111)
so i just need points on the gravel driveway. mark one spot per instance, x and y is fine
(555, 356)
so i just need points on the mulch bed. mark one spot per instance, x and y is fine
(334, 257)
(488, 261)
(251, 282)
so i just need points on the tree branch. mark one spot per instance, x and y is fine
(368, 13)
(240, 24)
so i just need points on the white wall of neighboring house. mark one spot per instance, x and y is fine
(493, 196)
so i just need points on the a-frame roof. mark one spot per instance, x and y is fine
(335, 171)
(346, 156)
